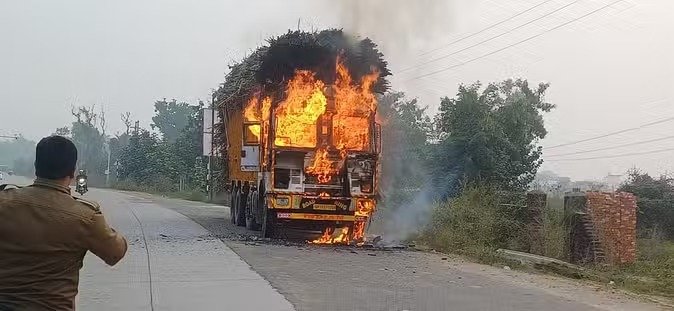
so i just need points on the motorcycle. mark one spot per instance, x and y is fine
(81, 186)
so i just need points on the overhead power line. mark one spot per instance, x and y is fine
(614, 156)
(489, 39)
(514, 44)
(612, 147)
(612, 133)
(483, 29)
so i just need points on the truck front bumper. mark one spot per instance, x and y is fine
(316, 217)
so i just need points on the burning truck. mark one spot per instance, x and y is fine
(299, 135)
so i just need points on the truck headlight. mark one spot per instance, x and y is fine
(282, 201)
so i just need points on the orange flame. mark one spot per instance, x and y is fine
(324, 195)
(252, 110)
(364, 208)
(327, 238)
(297, 115)
(323, 167)
(359, 232)
(254, 113)
(266, 109)
(354, 105)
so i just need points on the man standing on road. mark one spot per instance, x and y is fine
(45, 233)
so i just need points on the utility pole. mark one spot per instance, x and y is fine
(209, 175)
(107, 170)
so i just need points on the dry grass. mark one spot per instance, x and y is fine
(652, 273)
(476, 224)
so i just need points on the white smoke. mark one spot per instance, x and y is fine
(400, 27)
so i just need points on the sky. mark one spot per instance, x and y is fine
(612, 71)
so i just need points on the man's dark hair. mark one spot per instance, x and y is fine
(55, 158)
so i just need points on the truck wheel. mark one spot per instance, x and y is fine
(241, 209)
(232, 206)
(268, 222)
(251, 224)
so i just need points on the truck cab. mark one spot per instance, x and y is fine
(316, 175)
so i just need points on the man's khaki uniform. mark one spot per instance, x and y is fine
(44, 234)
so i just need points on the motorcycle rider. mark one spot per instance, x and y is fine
(81, 174)
(45, 233)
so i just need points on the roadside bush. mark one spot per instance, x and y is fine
(152, 185)
(556, 231)
(477, 223)
(161, 187)
(191, 195)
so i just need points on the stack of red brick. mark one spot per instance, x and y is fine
(615, 219)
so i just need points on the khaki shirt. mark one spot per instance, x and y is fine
(44, 234)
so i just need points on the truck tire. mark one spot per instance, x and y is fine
(251, 224)
(268, 222)
(232, 206)
(241, 209)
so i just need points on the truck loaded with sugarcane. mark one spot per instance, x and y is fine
(299, 135)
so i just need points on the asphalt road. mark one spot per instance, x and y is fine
(172, 263)
(187, 256)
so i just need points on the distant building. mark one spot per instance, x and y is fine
(613, 181)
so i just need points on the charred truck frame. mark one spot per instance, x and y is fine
(300, 136)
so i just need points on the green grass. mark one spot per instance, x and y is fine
(191, 195)
(188, 195)
(652, 273)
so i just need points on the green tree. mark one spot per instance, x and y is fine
(655, 199)
(171, 117)
(161, 163)
(187, 146)
(19, 154)
(89, 140)
(491, 135)
(148, 161)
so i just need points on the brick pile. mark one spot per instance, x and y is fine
(615, 219)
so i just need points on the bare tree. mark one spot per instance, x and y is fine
(126, 119)
(102, 122)
(85, 115)
(62, 131)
